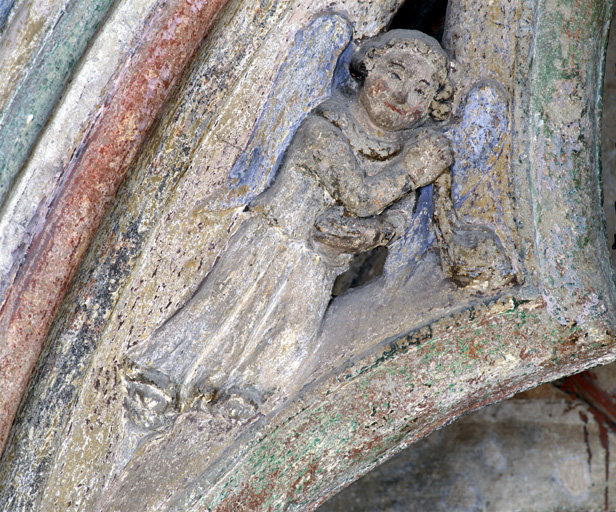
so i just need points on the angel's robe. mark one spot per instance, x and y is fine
(249, 326)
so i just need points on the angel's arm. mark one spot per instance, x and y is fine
(327, 154)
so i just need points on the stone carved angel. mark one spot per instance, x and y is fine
(249, 326)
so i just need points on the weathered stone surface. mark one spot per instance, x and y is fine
(252, 323)
(88, 187)
(22, 26)
(534, 454)
(34, 96)
(542, 451)
(26, 206)
(564, 146)
(232, 51)
(608, 143)
(396, 358)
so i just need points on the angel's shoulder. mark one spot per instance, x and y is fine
(319, 132)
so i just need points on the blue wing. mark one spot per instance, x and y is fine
(478, 138)
(303, 81)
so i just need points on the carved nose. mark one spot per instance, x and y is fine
(400, 97)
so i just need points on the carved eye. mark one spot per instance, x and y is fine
(395, 75)
(421, 92)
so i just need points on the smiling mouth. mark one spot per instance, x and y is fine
(395, 109)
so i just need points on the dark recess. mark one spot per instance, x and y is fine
(364, 268)
(425, 15)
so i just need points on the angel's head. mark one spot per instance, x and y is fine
(404, 79)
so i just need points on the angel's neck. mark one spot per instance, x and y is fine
(370, 127)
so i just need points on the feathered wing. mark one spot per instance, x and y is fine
(478, 139)
(303, 81)
(472, 219)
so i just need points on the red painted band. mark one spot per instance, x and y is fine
(92, 179)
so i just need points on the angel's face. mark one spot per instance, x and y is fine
(398, 90)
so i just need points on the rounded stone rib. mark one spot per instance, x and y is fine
(90, 183)
(28, 110)
(5, 10)
(25, 209)
(24, 26)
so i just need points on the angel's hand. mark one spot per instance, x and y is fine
(426, 157)
(351, 235)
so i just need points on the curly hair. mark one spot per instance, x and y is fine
(413, 42)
